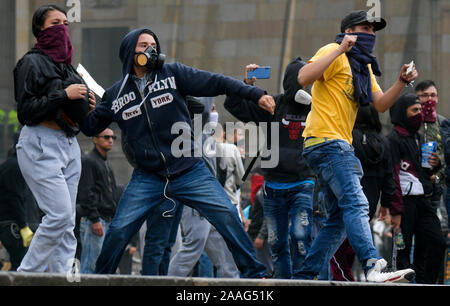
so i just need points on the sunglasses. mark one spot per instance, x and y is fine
(107, 137)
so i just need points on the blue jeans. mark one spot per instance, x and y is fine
(164, 265)
(145, 199)
(288, 212)
(339, 173)
(91, 245)
(158, 237)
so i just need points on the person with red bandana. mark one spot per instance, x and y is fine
(428, 94)
(52, 100)
(430, 129)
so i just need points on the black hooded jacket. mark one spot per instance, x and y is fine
(39, 84)
(291, 117)
(406, 154)
(147, 119)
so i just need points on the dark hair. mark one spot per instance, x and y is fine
(41, 14)
(424, 85)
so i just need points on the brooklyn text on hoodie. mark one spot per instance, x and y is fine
(168, 83)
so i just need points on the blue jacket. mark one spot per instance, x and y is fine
(146, 127)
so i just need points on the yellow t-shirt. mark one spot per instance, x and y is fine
(334, 109)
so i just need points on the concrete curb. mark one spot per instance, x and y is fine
(47, 279)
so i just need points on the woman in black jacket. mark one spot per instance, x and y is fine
(52, 100)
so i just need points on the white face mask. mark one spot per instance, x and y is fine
(214, 119)
(303, 97)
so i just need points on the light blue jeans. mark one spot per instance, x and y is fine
(91, 245)
(339, 173)
(288, 214)
(51, 166)
(144, 199)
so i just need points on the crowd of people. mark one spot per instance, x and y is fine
(310, 215)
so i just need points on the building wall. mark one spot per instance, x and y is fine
(7, 56)
(225, 35)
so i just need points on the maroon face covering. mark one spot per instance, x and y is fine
(55, 42)
(429, 111)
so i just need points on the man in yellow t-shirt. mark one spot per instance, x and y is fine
(343, 77)
(334, 107)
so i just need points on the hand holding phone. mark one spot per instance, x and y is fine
(410, 68)
(248, 68)
(410, 75)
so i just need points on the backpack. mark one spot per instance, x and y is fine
(368, 146)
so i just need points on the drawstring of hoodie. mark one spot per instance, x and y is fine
(126, 45)
(123, 85)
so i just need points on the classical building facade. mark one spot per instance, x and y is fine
(223, 36)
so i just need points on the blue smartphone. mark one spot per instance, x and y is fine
(260, 73)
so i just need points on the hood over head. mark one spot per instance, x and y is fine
(398, 110)
(290, 81)
(128, 47)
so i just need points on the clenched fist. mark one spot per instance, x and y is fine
(348, 42)
(267, 103)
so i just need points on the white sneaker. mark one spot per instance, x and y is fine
(374, 267)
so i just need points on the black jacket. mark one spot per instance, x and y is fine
(373, 150)
(406, 153)
(12, 195)
(97, 188)
(39, 85)
(291, 118)
(17, 203)
(257, 228)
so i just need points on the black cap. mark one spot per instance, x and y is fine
(358, 17)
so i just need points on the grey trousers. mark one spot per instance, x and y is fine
(51, 166)
(199, 235)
